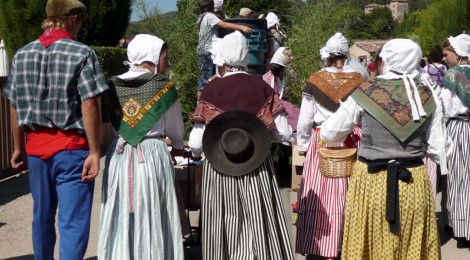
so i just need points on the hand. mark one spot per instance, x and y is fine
(19, 161)
(91, 168)
(247, 30)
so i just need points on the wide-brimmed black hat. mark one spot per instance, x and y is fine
(236, 143)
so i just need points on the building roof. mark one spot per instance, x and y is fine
(370, 45)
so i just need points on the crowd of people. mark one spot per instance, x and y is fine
(409, 125)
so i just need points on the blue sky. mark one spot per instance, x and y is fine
(163, 5)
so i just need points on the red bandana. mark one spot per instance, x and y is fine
(51, 35)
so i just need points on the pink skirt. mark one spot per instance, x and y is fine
(321, 207)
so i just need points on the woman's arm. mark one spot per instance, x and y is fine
(195, 139)
(338, 126)
(305, 123)
(282, 131)
(174, 126)
(234, 26)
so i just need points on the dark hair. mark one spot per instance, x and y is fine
(276, 69)
(164, 47)
(206, 6)
(378, 59)
(422, 63)
(435, 56)
(331, 60)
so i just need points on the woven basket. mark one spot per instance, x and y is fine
(337, 162)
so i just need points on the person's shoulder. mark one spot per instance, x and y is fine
(31, 46)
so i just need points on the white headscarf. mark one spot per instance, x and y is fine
(282, 56)
(232, 51)
(401, 59)
(144, 47)
(337, 45)
(218, 5)
(272, 20)
(461, 44)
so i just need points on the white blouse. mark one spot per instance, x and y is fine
(170, 124)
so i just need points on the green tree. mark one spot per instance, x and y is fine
(312, 25)
(107, 22)
(440, 20)
(20, 21)
(282, 8)
(380, 22)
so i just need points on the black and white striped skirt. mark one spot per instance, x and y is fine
(243, 217)
(456, 192)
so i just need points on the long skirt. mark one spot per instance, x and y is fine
(243, 217)
(153, 230)
(366, 231)
(320, 216)
(456, 191)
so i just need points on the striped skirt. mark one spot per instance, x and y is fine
(366, 231)
(243, 216)
(153, 231)
(321, 207)
(456, 188)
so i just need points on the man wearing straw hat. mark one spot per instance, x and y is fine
(53, 88)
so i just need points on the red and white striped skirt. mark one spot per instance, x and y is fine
(321, 206)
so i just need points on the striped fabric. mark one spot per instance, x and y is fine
(153, 231)
(243, 217)
(456, 191)
(321, 207)
(432, 171)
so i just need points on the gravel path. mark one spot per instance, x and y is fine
(16, 213)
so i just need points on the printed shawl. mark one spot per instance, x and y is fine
(240, 92)
(387, 102)
(136, 104)
(458, 81)
(329, 88)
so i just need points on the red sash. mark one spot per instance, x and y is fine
(45, 142)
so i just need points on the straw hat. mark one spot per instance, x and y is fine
(64, 7)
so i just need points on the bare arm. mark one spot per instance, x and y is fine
(92, 123)
(18, 159)
(233, 26)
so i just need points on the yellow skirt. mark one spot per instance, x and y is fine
(366, 231)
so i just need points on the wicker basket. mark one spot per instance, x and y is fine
(337, 162)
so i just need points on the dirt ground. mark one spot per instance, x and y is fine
(16, 215)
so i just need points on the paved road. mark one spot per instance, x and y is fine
(16, 212)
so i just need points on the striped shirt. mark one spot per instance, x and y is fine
(48, 85)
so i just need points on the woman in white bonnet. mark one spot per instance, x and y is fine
(321, 199)
(242, 216)
(389, 204)
(139, 212)
(455, 96)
